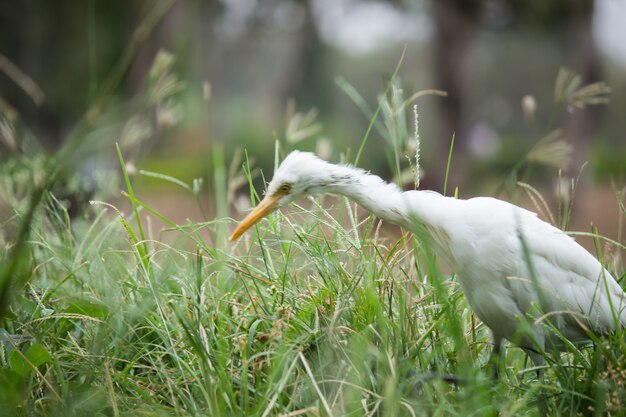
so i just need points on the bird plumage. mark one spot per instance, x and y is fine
(510, 264)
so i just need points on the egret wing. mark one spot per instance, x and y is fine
(571, 283)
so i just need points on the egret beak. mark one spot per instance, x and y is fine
(265, 207)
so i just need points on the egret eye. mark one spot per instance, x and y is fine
(285, 188)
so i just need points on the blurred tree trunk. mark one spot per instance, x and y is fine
(585, 60)
(307, 83)
(455, 28)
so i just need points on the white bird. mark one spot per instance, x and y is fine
(507, 260)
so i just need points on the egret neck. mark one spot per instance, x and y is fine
(384, 200)
(419, 211)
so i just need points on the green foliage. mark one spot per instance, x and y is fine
(392, 127)
(552, 152)
(305, 317)
(568, 90)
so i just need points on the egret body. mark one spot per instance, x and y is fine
(507, 260)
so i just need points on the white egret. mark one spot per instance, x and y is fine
(508, 261)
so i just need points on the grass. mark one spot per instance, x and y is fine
(302, 317)
(319, 311)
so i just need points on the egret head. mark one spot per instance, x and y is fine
(300, 174)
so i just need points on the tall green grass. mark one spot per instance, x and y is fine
(301, 317)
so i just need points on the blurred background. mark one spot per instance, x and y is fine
(184, 87)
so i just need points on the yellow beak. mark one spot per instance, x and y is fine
(265, 207)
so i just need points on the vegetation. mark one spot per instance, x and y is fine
(303, 317)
